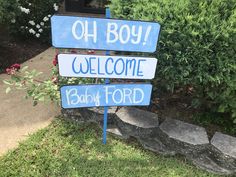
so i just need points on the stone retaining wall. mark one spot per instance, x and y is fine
(168, 138)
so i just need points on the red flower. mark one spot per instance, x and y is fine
(55, 61)
(55, 80)
(15, 66)
(10, 71)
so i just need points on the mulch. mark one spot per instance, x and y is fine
(17, 50)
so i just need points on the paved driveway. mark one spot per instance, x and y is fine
(18, 117)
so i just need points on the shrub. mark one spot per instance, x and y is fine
(28, 18)
(7, 10)
(196, 47)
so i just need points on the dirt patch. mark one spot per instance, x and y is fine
(17, 50)
(179, 106)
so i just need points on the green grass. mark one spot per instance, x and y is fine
(68, 149)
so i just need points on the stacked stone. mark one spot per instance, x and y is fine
(169, 138)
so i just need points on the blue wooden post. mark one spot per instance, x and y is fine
(107, 81)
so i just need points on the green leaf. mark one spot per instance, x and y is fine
(8, 90)
(7, 82)
(39, 73)
(221, 108)
(234, 121)
(16, 78)
(41, 98)
(24, 68)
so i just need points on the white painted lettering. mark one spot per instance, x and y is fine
(73, 98)
(69, 96)
(93, 35)
(112, 31)
(124, 34)
(127, 94)
(147, 34)
(74, 30)
(115, 96)
(84, 32)
(107, 92)
(135, 93)
(137, 34)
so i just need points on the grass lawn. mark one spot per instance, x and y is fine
(69, 149)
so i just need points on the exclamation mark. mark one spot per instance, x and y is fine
(147, 34)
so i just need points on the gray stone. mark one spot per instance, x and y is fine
(156, 145)
(191, 141)
(138, 117)
(136, 122)
(170, 138)
(184, 132)
(207, 161)
(217, 157)
(116, 131)
(88, 114)
(225, 143)
(184, 138)
(220, 157)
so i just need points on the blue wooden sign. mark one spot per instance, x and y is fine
(98, 66)
(104, 34)
(77, 96)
